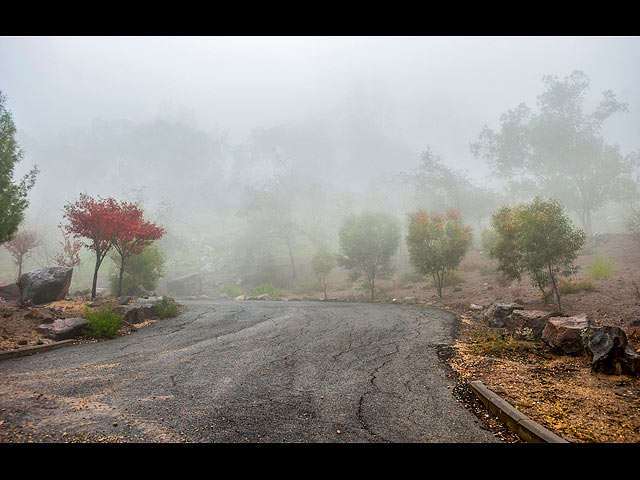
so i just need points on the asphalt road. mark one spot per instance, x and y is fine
(251, 371)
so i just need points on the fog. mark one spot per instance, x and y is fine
(228, 141)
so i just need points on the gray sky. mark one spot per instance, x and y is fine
(436, 91)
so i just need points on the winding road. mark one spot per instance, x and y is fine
(252, 371)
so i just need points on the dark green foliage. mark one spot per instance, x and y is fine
(368, 242)
(165, 308)
(103, 323)
(537, 238)
(13, 196)
(144, 269)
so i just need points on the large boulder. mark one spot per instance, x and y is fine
(63, 328)
(564, 334)
(136, 313)
(186, 285)
(609, 351)
(45, 284)
(527, 324)
(496, 314)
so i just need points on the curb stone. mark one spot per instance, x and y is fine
(519, 423)
(22, 352)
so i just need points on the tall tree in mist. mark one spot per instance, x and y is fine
(368, 243)
(13, 196)
(559, 151)
(440, 187)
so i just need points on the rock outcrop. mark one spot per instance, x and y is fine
(45, 284)
(609, 351)
(527, 324)
(63, 328)
(186, 285)
(496, 314)
(564, 334)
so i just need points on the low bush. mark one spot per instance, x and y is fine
(450, 279)
(164, 308)
(574, 286)
(103, 323)
(497, 344)
(306, 288)
(600, 269)
(272, 290)
(231, 290)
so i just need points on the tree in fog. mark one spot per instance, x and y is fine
(559, 151)
(537, 238)
(20, 245)
(440, 187)
(368, 242)
(437, 243)
(13, 196)
(323, 262)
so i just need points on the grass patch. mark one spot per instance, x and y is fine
(574, 286)
(103, 323)
(496, 344)
(270, 289)
(164, 308)
(231, 290)
(412, 277)
(600, 269)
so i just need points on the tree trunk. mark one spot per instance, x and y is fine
(324, 285)
(120, 279)
(293, 263)
(555, 288)
(95, 277)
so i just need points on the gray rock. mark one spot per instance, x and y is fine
(609, 351)
(528, 324)
(186, 285)
(63, 328)
(410, 300)
(457, 289)
(10, 291)
(136, 313)
(240, 298)
(496, 314)
(124, 300)
(45, 284)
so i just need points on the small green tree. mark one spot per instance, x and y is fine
(540, 239)
(437, 243)
(143, 269)
(323, 262)
(368, 242)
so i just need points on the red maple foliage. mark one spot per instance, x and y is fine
(135, 233)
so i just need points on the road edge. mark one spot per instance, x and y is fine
(518, 422)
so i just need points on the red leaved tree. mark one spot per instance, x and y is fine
(97, 220)
(134, 235)
(20, 245)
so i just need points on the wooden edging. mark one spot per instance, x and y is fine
(519, 423)
(22, 352)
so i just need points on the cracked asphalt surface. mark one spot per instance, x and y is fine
(252, 371)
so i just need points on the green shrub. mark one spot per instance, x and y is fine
(600, 269)
(451, 278)
(144, 269)
(269, 288)
(231, 290)
(574, 286)
(103, 323)
(164, 308)
(488, 269)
